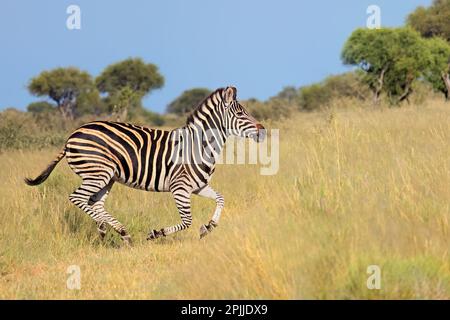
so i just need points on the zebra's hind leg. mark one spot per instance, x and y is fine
(210, 193)
(183, 203)
(81, 198)
(97, 202)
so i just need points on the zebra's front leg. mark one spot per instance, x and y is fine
(209, 192)
(183, 203)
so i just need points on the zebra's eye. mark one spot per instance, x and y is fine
(239, 113)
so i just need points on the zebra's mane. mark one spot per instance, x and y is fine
(218, 93)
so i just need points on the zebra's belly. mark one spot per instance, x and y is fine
(162, 187)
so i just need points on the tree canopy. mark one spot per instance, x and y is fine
(64, 86)
(126, 83)
(391, 58)
(188, 101)
(432, 21)
(133, 73)
(438, 69)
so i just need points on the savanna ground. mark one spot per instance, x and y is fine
(355, 188)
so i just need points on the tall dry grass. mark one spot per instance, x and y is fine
(355, 188)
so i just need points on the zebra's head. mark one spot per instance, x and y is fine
(238, 121)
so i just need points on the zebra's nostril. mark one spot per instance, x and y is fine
(259, 126)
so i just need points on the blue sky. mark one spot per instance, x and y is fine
(259, 46)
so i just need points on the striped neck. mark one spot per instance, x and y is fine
(207, 125)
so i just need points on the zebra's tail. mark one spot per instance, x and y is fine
(44, 175)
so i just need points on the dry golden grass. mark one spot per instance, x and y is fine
(355, 188)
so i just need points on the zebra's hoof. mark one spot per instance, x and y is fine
(207, 228)
(203, 231)
(127, 240)
(102, 233)
(152, 235)
(155, 234)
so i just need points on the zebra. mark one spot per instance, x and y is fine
(181, 161)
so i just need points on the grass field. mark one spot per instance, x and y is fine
(355, 188)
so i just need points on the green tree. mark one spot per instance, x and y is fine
(90, 102)
(64, 86)
(358, 50)
(132, 74)
(188, 101)
(122, 101)
(411, 58)
(391, 59)
(438, 70)
(432, 21)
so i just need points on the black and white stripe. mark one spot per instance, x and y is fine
(180, 161)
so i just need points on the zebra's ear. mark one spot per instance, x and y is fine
(230, 94)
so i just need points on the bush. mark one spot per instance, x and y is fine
(346, 85)
(146, 117)
(40, 107)
(188, 101)
(20, 130)
(275, 108)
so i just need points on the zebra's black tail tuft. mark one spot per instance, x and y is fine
(44, 175)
